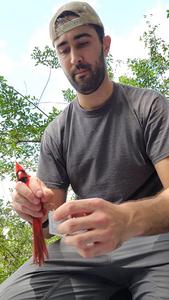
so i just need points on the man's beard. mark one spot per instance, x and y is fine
(91, 80)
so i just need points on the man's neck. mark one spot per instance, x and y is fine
(98, 98)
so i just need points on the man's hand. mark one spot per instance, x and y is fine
(27, 201)
(93, 226)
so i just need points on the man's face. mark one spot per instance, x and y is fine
(82, 59)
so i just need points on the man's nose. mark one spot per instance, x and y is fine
(76, 57)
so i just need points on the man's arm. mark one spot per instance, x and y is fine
(151, 216)
(108, 225)
(162, 168)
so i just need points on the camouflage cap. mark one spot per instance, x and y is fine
(85, 14)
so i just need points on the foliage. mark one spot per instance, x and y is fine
(109, 62)
(151, 72)
(167, 13)
(21, 128)
(46, 57)
(68, 95)
(22, 124)
(15, 241)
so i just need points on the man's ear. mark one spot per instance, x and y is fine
(106, 44)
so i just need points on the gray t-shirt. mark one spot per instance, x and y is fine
(109, 152)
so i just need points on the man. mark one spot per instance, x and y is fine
(112, 146)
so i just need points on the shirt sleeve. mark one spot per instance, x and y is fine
(52, 167)
(156, 129)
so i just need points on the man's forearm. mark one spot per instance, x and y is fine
(148, 216)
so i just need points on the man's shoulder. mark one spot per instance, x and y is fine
(140, 98)
(135, 91)
(62, 117)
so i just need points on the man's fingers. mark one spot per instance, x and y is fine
(23, 202)
(86, 222)
(80, 207)
(26, 210)
(91, 243)
(22, 189)
(96, 249)
(26, 217)
(36, 186)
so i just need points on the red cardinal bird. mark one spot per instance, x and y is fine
(39, 246)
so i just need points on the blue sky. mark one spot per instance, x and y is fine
(20, 18)
(24, 25)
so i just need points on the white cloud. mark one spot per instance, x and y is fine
(31, 80)
(130, 46)
(3, 44)
(28, 78)
(7, 65)
(160, 17)
(5, 189)
(37, 76)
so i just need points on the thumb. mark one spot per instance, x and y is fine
(35, 184)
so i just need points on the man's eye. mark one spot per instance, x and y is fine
(83, 44)
(64, 51)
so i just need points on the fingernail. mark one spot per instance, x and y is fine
(39, 194)
(36, 200)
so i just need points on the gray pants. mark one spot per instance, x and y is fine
(67, 276)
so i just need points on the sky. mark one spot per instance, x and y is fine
(24, 25)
